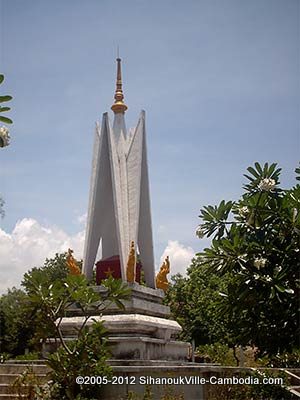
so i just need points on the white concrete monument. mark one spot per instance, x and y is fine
(119, 213)
(119, 205)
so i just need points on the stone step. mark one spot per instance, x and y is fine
(10, 368)
(6, 388)
(10, 378)
(294, 377)
(25, 362)
(295, 390)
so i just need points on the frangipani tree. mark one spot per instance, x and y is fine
(257, 238)
(4, 132)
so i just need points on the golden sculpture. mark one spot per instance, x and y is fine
(161, 277)
(72, 264)
(130, 270)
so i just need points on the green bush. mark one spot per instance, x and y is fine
(216, 353)
(29, 356)
(87, 358)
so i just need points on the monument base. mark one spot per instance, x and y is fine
(143, 331)
(143, 348)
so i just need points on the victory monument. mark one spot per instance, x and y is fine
(119, 206)
(119, 244)
(119, 220)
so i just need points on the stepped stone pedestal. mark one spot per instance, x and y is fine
(143, 331)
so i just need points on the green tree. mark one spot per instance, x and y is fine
(88, 353)
(22, 325)
(17, 327)
(195, 301)
(257, 239)
(34, 314)
(53, 269)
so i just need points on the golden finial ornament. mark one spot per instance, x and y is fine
(161, 277)
(119, 106)
(72, 264)
(130, 270)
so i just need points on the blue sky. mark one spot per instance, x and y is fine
(219, 81)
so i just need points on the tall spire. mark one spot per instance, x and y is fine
(119, 106)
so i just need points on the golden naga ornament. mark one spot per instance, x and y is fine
(130, 270)
(72, 264)
(161, 277)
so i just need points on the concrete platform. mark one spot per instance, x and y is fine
(141, 331)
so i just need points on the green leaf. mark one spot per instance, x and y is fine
(5, 98)
(266, 168)
(253, 172)
(272, 168)
(280, 288)
(2, 109)
(5, 120)
(297, 170)
(1, 78)
(249, 177)
(258, 167)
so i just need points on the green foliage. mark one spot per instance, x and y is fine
(257, 240)
(169, 394)
(51, 301)
(215, 218)
(217, 353)
(252, 391)
(4, 357)
(28, 386)
(87, 357)
(53, 269)
(116, 290)
(244, 289)
(195, 302)
(23, 314)
(29, 316)
(297, 170)
(148, 395)
(286, 360)
(22, 323)
(32, 355)
(16, 322)
(257, 174)
(270, 391)
(4, 99)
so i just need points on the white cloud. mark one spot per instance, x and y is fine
(29, 245)
(82, 219)
(180, 256)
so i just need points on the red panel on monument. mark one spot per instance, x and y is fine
(111, 266)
